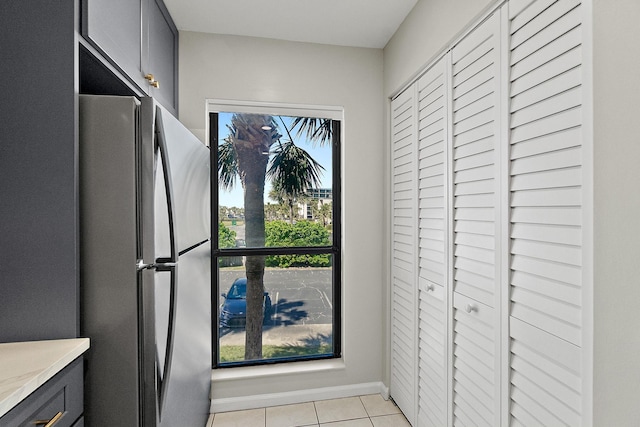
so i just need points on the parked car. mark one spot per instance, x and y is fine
(233, 311)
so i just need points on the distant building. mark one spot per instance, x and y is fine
(320, 193)
(317, 198)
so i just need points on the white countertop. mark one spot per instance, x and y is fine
(25, 366)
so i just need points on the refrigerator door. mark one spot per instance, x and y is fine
(181, 296)
(186, 402)
(189, 168)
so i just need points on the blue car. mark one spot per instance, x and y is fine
(233, 311)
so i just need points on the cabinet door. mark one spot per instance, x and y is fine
(546, 211)
(476, 201)
(403, 269)
(162, 55)
(114, 26)
(433, 222)
(140, 38)
(61, 397)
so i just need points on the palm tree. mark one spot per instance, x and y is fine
(288, 201)
(325, 212)
(245, 153)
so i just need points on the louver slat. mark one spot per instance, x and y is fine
(547, 181)
(474, 140)
(545, 377)
(546, 212)
(432, 146)
(475, 136)
(475, 391)
(432, 391)
(403, 347)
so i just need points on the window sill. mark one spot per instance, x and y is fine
(265, 371)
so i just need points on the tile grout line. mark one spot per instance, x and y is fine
(315, 409)
(365, 408)
(368, 415)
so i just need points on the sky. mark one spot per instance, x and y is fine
(322, 155)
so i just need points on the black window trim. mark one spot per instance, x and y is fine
(334, 250)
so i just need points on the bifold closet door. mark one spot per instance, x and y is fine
(476, 218)
(546, 212)
(433, 383)
(403, 252)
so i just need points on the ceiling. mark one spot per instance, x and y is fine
(360, 23)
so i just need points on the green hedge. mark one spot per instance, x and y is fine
(302, 233)
(226, 237)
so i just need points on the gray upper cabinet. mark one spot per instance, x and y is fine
(162, 53)
(140, 39)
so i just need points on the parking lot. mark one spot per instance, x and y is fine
(300, 296)
(302, 307)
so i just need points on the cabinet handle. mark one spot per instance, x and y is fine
(49, 423)
(471, 307)
(431, 288)
(152, 80)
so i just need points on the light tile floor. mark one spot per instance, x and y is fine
(364, 411)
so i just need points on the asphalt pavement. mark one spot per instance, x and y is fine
(302, 306)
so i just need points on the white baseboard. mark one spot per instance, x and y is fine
(297, 396)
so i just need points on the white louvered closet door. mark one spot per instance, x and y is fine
(476, 200)
(403, 270)
(546, 198)
(432, 227)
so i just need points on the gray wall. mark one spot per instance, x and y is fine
(616, 214)
(430, 26)
(243, 68)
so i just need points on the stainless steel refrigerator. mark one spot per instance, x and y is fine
(145, 265)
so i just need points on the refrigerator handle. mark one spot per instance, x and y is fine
(162, 146)
(164, 380)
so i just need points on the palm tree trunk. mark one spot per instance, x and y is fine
(254, 165)
(254, 235)
(255, 295)
(291, 211)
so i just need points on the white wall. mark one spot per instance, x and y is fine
(242, 68)
(616, 264)
(431, 25)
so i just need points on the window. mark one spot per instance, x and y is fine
(276, 209)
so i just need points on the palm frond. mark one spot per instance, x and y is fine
(227, 165)
(316, 130)
(292, 170)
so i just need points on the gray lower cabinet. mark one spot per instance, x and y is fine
(140, 39)
(58, 402)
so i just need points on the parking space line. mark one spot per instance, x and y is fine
(328, 300)
(275, 310)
